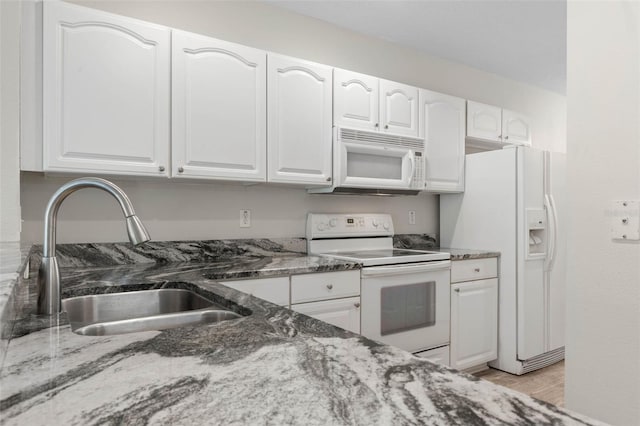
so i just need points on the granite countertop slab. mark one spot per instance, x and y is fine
(273, 366)
(428, 242)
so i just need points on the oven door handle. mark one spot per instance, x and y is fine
(414, 268)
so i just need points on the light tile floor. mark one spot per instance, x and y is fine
(546, 384)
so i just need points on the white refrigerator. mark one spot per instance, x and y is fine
(514, 202)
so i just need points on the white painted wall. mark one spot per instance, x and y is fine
(181, 211)
(603, 300)
(9, 121)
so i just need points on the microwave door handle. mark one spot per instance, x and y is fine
(406, 269)
(413, 166)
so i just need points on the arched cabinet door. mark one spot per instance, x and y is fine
(442, 125)
(515, 128)
(484, 121)
(105, 92)
(299, 121)
(219, 109)
(398, 108)
(356, 100)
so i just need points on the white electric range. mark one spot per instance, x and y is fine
(404, 293)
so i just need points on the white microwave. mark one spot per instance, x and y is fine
(374, 162)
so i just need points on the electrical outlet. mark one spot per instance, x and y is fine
(412, 217)
(245, 218)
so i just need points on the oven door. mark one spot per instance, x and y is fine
(407, 306)
(375, 166)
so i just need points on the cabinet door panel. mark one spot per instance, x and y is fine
(474, 323)
(300, 123)
(274, 290)
(398, 108)
(343, 313)
(442, 125)
(105, 92)
(356, 100)
(484, 121)
(515, 128)
(219, 109)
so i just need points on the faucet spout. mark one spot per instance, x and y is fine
(49, 300)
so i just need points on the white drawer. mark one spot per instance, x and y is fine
(437, 355)
(474, 269)
(324, 286)
(274, 290)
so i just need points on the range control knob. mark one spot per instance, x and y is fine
(333, 223)
(375, 223)
(386, 226)
(321, 226)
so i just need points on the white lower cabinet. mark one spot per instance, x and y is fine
(474, 323)
(438, 355)
(274, 290)
(343, 313)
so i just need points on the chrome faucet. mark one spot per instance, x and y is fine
(49, 301)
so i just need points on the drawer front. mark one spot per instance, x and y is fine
(324, 286)
(474, 269)
(437, 355)
(343, 313)
(274, 290)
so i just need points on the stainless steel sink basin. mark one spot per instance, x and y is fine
(128, 312)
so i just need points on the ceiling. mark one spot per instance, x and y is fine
(524, 40)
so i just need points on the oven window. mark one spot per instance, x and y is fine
(373, 166)
(407, 307)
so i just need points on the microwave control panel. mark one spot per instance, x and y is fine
(332, 225)
(417, 181)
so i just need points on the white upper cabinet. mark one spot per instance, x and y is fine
(299, 120)
(356, 100)
(219, 109)
(365, 102)
(495, 124)
(515, 128)
(442, 125)
(484, 121)
(398, 108)
(105, 92)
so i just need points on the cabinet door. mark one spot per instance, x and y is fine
(398, 108)
(299, 121)
(484, 121)
(105, 92)
(515, 128)
(343, 313)
(474, 323)
(355, 102)
(442, 125)
(274, 290)
(219, 109)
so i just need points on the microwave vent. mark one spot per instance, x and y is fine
(352, 135)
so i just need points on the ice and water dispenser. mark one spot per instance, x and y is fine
(537, 230)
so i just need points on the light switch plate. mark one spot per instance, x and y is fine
(625, 220)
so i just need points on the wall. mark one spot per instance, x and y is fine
(270, 28)
(603, 300)
(9, 121)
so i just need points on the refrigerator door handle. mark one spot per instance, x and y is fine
(551, 235)
(554, 214)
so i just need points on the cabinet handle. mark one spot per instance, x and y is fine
(506, 137)
(330, 286)
(376, 125)
(457, 290)
(161, 168)
(477, 269)
(180, 169)
(386, 126)
(499, 136)
(329, 179)
(357, 304)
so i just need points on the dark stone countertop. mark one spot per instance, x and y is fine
(273, 366)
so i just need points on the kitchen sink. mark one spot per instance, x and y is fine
(128, 312)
